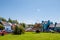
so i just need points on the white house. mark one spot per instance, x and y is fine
(58, 25)
(7, 26)
(57, 28)
(51, 27)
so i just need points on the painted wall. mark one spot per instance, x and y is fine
(45, 25)
(8, 28)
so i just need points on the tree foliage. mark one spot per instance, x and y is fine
(23, 24)
(2, 19)
(38, 27)
(18, 30)
(1, 27)
(12, 21)
(15, 21)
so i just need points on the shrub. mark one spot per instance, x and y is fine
(18, 30)
(37, 31)
(2, 34)
(22, 29)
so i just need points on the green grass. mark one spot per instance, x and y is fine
(32, 36)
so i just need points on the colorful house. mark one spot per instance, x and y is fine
(45, 25)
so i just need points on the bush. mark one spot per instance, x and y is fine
(22, 30)
(37, 31)
(2, 34)
(18, 30)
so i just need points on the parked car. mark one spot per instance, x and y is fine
(3, 32)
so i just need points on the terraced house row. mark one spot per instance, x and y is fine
(44, 26)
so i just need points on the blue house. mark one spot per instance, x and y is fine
(45, 25)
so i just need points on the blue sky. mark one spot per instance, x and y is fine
(30, 11)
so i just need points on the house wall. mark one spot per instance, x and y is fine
(8, 28)
(52, 27)
(57, 27)
(45, 25)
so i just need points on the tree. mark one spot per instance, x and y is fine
(15, 21)
(2, 19)
(18, 30)
(38, 27)
(10, 20)
(23, 24)
(1, 27)
(22, 29)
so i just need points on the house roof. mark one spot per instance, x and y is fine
(6, 23)
(58, 25)
(52, 25)
(45, 22)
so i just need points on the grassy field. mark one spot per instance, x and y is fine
(32, 36)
